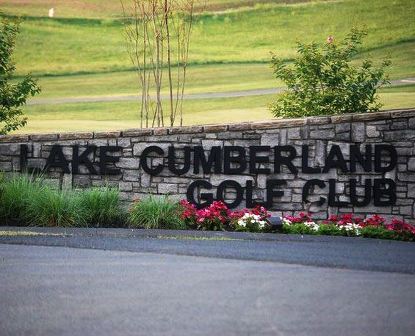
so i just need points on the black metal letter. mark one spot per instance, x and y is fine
(285, 160)
(153, 171)
(353, 193)
(335, 159)
(332, 195)
(254, 159)
(172, 161)
(83, 159)
(384, 188)
(305, 167)
(215, 158)
(104, 159)
(356, 156)
(240, 160)
(56, 159)
(203, 196)
(220, 196)
(393, 155)
(310, 185)
(271, 193)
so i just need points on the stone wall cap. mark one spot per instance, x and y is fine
(105, 135)
(213, 128)
(14, 138)
(76, 136)
(43, 137)
(186, 130)
(137, 132)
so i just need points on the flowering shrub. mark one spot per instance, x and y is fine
(217, 217)
(348, 225)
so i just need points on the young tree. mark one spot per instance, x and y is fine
(323, 81)
(158, 38)
(13, 95)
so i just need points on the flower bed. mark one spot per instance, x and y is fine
(29, 201)
(373, 226)
(218, 217)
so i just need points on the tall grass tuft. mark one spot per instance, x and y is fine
(102, 207)
(16, 192)
(156, 213)
(54, 207)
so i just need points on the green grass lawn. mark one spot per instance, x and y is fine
(82, 53)
(122, 115)
(67, 46)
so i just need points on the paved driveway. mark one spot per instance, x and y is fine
(83, 291)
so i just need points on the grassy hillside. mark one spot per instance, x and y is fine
(81, 52)
(65, 46)
(111, 8)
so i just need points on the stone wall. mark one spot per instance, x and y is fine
(396, 128)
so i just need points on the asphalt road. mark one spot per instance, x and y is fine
(124, 282)
(194, 96)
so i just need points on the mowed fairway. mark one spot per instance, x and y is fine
(81, 53)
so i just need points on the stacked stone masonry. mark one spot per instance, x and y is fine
(320, 133)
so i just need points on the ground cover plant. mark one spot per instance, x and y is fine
(77, 54)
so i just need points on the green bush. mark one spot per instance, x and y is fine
(102, 207)
(323, 81)
(13, 93)
(156, 213)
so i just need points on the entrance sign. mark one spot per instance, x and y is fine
(235, 160)
(360, 163)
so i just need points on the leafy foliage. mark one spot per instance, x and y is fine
(12, 95)
(322, 80)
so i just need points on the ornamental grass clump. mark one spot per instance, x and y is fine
(16, 193)
(102, 207)
(156, 213)
(52, 207)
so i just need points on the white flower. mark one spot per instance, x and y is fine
(312, 225)
(286, 221)
(241, 223)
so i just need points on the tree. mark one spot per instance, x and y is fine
(158, 39)
(13, 95)
(322, 80)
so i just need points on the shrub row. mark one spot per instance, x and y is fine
(29, 201)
